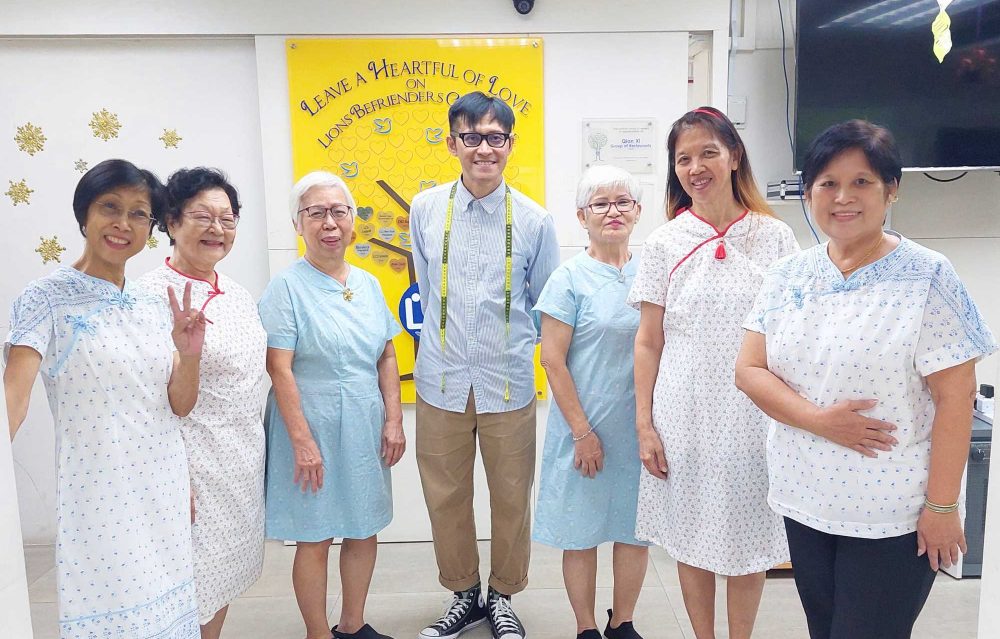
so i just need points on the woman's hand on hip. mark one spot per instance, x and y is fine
(308, 464)
(393, 442)
(589, 455)
(842, 423)
(651, 452)
(940, 536)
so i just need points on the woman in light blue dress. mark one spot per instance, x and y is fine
(334, 420)
(590, 464)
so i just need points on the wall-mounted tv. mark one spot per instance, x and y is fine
(875, 59)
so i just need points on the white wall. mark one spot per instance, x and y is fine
(207, 88)
(333, 17)
(13, 583)
(198, 87)
(61, 80)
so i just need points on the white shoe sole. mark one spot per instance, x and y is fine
(468, 626)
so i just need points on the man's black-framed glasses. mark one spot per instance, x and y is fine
(623, 205)
(473, 139)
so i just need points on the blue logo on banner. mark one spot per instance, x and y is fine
(410, 313)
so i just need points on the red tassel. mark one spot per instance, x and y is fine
(720, 251)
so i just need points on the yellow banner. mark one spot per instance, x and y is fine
(375, 112)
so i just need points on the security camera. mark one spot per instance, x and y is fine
(524, 7)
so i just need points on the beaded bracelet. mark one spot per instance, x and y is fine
(940, 509)
(583, 436)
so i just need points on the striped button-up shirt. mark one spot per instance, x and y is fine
(477, 353)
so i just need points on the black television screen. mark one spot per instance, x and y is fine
(875, 59)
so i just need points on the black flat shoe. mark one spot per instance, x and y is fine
(625, 630)
(364, 632)
(589, 633)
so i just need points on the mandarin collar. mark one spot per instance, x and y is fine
(491, 202)
(703, 227)
(171, 269)
(321, 280)
(602, 268)
(96, 281)
(866, 275)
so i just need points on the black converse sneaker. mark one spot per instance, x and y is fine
(504, 624)
(465, 612)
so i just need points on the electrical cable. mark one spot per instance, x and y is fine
(788, 121)
(946, 180)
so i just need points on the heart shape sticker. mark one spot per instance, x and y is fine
(387, 233)
(363, 249)
(397, 264)
(380, 257)
(365, 212)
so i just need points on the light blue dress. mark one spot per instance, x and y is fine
(337, 334)
(575, 512)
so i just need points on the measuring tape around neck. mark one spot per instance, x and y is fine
(508, 267)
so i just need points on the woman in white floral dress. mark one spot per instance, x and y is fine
(115, 385)
(224, 434)
(703, 496)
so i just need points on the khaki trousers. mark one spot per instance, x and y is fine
(446, 455)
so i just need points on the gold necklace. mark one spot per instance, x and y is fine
(857, 264)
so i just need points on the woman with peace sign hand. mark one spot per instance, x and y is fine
(117, 374)
(224, 433)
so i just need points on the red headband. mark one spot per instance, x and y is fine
(707, 112)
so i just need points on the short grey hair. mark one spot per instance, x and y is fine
(316, 178)
(606, 175)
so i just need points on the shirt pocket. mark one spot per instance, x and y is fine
(492, 271)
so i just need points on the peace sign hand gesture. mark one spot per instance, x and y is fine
(189, 324)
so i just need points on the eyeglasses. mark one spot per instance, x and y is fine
(602, 208)
(473, 139)
(112, 211)
(318, 213)
(204, 220)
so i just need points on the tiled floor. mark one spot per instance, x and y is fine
(405, 596)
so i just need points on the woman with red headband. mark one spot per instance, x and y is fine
(703, 496)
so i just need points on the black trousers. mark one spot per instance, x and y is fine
(854, 588)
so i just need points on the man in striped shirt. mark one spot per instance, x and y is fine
(482, 251)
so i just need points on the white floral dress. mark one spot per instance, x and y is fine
(876, 334)
(711, 512)
(123, 546)
(224, 438)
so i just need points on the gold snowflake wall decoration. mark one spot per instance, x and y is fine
(19, 193)
(81, 166)
(170, 138)
(29, 138)
(152, 242)
(50, 249)
(105, 125)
